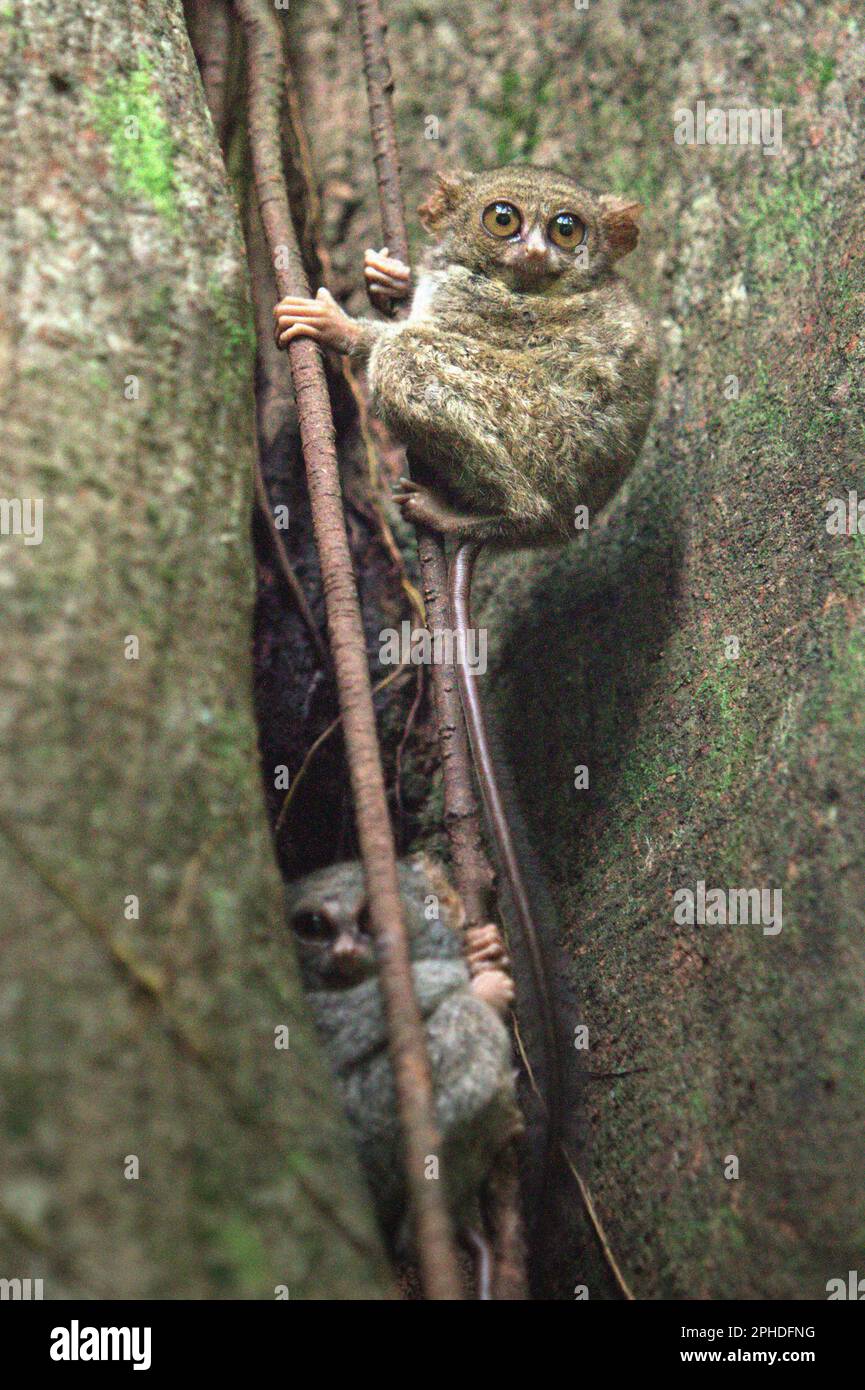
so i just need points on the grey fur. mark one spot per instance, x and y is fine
(468, 1044)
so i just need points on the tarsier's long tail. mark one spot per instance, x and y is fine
(461, 571)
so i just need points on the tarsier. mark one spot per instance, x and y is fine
(521, 383)
(523, 378)
(460, 1001)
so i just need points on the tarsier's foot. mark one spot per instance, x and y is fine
(423, 507)
(320, 319)
(385, 275)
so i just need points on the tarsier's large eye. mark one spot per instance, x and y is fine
(501, 219)
(312, 926)
(566, 230)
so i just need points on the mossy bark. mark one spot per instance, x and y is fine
(143, 975)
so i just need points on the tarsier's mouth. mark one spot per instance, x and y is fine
(346, 973)
(338, 980)
(533, 273)
(532, 263)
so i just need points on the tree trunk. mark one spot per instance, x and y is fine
(158, 1140)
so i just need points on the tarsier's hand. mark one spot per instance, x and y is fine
(320, 318)
(495, 988)
(488, 966)
(386, 277)
(485, 949)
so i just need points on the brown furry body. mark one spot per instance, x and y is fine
(523, 379)
(521, 406)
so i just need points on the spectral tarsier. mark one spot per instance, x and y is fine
(522, 380)
(521, 383)
(460, 1002)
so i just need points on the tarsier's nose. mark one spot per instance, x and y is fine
(535, 247)
(347, 956)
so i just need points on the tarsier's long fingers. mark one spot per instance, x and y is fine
(382, 270)
(385, 273)
(480, 936)
(297, 330)
(308, 313)
(320, 318)
(292, 302)
(386, 265)
(485, 955)
(379, 279)
(486, 944)
(297, 318)
(302, 309)
(421, 506)
(403, 490)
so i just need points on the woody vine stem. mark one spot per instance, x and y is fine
(266, 82)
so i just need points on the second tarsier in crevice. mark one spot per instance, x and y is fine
(461, 1002)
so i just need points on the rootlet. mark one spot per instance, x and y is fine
(76, 1343)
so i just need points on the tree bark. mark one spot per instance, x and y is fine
(157, 1142)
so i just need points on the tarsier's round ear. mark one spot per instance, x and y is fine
(619, 218)
(435, 212)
